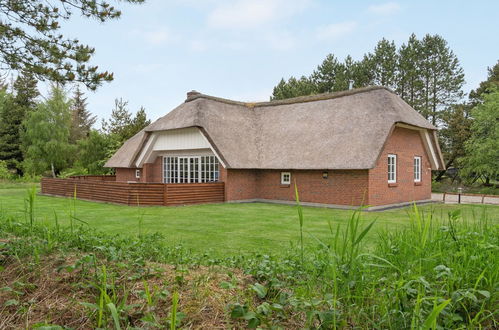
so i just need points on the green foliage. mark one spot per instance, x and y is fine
(383, 64)
(491, 83)
(46, 139)
(442, 77)
(31, 40)
(425, 73)
(122, 125)
(81, 119)
(482, 149)
(14, 108)
(439, 271)
(93, 152)
(5, 174)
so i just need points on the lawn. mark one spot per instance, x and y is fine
(227, 229)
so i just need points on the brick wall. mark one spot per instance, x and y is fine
(153, 172)
(239, 184)
(341, 187)
(406, 144)
(125, 174)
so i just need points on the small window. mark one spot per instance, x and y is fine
(137, 174)
(285, 178)
(392, 168)
(417, 169)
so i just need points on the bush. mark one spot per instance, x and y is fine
(5, 173)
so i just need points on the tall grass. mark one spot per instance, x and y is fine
(439, 271)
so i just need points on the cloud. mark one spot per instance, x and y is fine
(384, 9)
(248, 14)
(335, 31)
(157, 37)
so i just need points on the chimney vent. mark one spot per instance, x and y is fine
(192, 94)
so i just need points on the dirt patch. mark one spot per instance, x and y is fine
(61, 290)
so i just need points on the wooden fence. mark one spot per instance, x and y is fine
(131, 193)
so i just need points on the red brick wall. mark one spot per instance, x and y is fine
(406, 144)
(153, 172)
(341, 187)
(126, 174)
(239, 184)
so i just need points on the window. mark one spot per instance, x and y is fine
(137, 174)
(191, 169)
(285, 178)
(392, 168)
(417, 169)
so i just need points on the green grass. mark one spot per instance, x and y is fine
(222, 229)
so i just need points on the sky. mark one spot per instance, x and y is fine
(240, 49)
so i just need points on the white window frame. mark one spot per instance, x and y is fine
(393, 164)
(182, 169)
(417, 168)
(137, 174)
(283, 178)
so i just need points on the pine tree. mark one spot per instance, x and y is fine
(81, 119)
(293, 88)
(330, 76)
(383, 64)
(16, 109)
(31, 39)
(409, 82)
(442, 77)
(121, 124)
(476, 96)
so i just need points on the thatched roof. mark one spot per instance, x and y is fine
(344, 130)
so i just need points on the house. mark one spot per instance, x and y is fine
(363, 146)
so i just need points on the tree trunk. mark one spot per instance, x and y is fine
(441, 173)
(53, 169)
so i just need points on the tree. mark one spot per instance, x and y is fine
(442, 77)
(383, 64)
(409, 82)
(330, 76)
(456, 131)
(93, 153)
(482, 149)
(46, 137)
(30, 39)
(16, 108)
(81, 119)
(121, 124)
(293, 88)
(476, 96)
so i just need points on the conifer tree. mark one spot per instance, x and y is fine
(442, 77)
(81, 119)
(383, 64)
(16, 108)
(476, 95)
(409, 82)
(31, 39)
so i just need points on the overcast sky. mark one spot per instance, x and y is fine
(240, 49)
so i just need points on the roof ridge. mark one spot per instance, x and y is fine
(294, 100)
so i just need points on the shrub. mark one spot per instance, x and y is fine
(5, 174)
